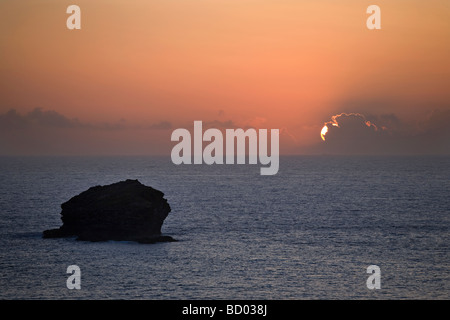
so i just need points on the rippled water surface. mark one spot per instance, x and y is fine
(309, 232)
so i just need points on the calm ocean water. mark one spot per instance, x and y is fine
(309, 232)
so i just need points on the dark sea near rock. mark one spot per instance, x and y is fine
(122, 211)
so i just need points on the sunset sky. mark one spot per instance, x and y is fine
(139, 69)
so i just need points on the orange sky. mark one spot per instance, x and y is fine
(288, 64)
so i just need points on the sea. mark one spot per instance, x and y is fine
(310, 232)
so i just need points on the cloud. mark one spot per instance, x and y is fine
(434, 135)
(346, 125)
(226, 124)
(354, 133)
(52, 118)
(37, 117)
(47, 132)
(385, 121)
(12, 120)
(251, 123)
(163, 125)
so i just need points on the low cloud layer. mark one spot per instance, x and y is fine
(47, 132)
(52, 119)
(13, 120)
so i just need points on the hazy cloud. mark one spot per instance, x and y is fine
(13, 120)
(226, 124)
(51, 119)
(385, 121)
(163, 125)
(49, 133)
(434, 135)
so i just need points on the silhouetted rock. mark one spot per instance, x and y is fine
(123, 211)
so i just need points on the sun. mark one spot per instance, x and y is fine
(323, 132)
